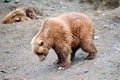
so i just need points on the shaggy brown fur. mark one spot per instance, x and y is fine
(65, 34)
(19, 15)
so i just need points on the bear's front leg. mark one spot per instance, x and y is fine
(63, 52)
(66, 62)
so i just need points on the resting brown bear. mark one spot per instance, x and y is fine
(65, 34)
(19, 15)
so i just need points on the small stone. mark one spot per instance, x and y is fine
(96, 37)
(85, 71)
(118, 65)
(105, 62)
(103, 14)
(7, 52)
(3, 72)
(78, 73)
(99, 11)
(19, 26)
(7, 0)
(16, 1)
(105, 26)
(6, 79)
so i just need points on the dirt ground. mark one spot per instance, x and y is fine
(18, 62)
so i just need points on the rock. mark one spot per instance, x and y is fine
(96, 37)
(86, 71)
(3, 71)
(6, 79)
(7, 0)
(16, 1)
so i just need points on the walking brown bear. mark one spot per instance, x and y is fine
(65, 34)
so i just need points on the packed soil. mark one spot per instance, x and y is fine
(18, 62)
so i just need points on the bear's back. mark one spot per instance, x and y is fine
(76, 19)
(80, 26)
(78, 23)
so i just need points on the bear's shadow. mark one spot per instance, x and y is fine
(79, 57)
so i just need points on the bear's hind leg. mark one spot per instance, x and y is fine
(90, 48)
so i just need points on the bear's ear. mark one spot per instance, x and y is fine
(33, 40)
(40, 42)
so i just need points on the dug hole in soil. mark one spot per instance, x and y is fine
(18, 62)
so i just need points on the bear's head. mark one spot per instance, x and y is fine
(40, 47)
(31, 13)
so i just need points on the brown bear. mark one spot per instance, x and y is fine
(20, 15)
(65, 34)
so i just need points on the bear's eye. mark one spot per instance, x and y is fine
(41, 43)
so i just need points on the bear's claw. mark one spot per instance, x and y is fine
(61, 68)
